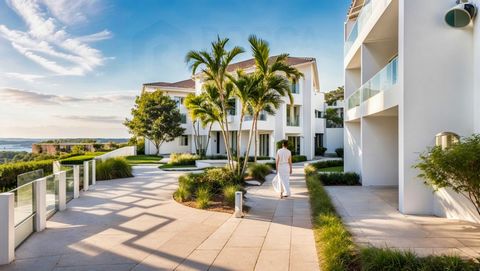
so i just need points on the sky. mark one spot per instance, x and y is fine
(72, 68)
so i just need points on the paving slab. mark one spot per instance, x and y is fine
(372, 216)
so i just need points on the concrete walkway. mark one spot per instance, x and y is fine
(372, 216)
(133, 224)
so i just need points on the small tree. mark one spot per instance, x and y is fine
(334, 120)
(335, 95)
(456, 167)
(155, 117)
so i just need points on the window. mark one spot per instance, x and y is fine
(178, 100)
(232, 104)
(294, 142)
(183, 118)
(184, 140)
(293, 115)
(295, 87)
(318, 114)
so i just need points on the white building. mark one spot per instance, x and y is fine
(300, 123)
(408, 77)
(334, 131)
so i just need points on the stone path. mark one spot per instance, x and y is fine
(133, 224)
(372, 216)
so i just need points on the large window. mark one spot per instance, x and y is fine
(293, 115)
(295, 143)
(183, 118)
(232, 107)
(184, 140)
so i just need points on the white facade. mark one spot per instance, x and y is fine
(303, 126)
(408, 76)
(333, 133)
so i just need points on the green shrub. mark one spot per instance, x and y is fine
(229, 194)
(258, 171)
(272, 165)
(113, 168)
(9, 172)
(290, 145)
(79, 159)
(298, 158)
(392, 259)
(339, 178)
(183, 159)
(320, 151)
(327, 163)
(182, 194)
(203, 197)
(217, 178)
(339, 152)
(336, 249)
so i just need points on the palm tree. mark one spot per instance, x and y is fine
(245, 88)
(201, 112)
(275, 72)
(213, 65)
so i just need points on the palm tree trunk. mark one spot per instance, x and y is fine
(208, 138)
(226, 130)
(239, 139)
(195, 137)
(256, 142)
(245, 160)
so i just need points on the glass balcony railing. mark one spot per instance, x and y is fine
(382, 81)
(359, 25)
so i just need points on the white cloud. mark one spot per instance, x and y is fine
(19, 96)
(24, 76)
(92, 118)
(47, 42)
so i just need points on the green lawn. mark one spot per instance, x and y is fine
(331, 169)
(143, 159)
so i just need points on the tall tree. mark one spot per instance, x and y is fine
(213, 65)
(156, 117)
(275, 74)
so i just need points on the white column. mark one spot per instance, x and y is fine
(94, 176)
(85, 176)
(40, 204)
(76, 181)
(62, 190)
(7, 228)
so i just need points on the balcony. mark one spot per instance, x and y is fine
(382, 81)
(359, 26)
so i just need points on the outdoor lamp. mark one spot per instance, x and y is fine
(461, 15)
(446, 139)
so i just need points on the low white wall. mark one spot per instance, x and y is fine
(169, 147)
(122, 152)
(333, 139)
(452, 205)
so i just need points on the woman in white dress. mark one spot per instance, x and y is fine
(281, 182)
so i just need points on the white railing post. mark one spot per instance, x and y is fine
(40, 187)
(94, 175)
(238, 204)
(85, 176)
(57, 167)
(7, 228)
(62, 190)
(76, 181)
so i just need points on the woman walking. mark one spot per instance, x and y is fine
(281, 182)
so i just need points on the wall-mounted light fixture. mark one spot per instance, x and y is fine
(446, 139)
(461, 15)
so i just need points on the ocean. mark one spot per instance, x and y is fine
(15, 147)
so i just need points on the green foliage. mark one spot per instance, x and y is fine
(334, 119)
(331, 169)
(9, 172)
(289, 145)
(339, 152)
(320, 151)
(183, 159)
(78, 149)
(339, 178)
(229, 194)
(156, 117)
(182, 194)
(335, 95)
(456, 167)
(373, 259)
(203, 197)
(139, 142)
(259, 171)
(113, 168)
(143, 159)
(314, 167)
(79, 159)
(335, 247)
(298, 158)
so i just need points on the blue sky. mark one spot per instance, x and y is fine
(72, 68)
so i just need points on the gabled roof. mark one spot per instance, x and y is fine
(189, 83)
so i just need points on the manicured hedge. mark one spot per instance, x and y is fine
(339, 178)
(298, 158)
(79, 159)
(9, 172)
(183, 159)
